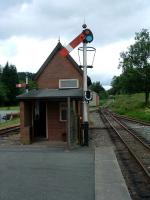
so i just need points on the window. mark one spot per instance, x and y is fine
(63, 112)
(68, 83)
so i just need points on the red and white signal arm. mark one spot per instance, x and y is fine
(21, 85)
(66, 50)
(86, 36)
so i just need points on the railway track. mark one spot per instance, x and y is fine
(131, 119)
(134, 163)
(138, 148)
(10, 130)
(140, 129)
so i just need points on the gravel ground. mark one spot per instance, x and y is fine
(141, 129)
(13, 139)
(98, 133)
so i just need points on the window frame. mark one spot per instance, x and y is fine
(77, 83)
(62, 106)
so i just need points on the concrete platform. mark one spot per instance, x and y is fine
(38, 173)
(109, 182)
(41, 171)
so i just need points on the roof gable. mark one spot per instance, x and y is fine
(50, 57)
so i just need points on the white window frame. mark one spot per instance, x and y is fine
(62, 106)
(77, 81)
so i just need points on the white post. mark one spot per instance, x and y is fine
(85, 114)
(68, 124)
(27, 83)
(85, 106)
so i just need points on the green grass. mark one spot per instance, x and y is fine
(8, 123)
(103, 102)
(9, 108)
(130, 105)
(12, 122)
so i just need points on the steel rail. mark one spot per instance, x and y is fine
(145, 168)
(126, 128)
(9, 129)
(124, 122)
(131, 119)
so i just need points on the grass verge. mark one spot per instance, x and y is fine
(130, 105)
(8, 123)
(9, 108)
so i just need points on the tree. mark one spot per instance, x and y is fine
(9, 78)
(22, 76)
(116, 85)
(3, 94)
(128, 82)
(136, 59)
(1, 71)
(98, 88)
(22, 79)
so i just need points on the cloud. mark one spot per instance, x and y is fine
(30, 30)
(106, 61)
(9, 4)
(27, 54)
(109, 20)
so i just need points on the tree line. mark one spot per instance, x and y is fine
(9, 77)
(135, 65)
(98, 88)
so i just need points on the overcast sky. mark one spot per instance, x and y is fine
(30, 29)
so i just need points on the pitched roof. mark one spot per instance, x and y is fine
(50, 57)
(52, 94)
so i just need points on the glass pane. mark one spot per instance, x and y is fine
(69, 83)
(63, 114)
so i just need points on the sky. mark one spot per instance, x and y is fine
(30, 29)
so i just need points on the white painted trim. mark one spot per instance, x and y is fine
(69, 48)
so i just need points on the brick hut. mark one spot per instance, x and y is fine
(53, 111)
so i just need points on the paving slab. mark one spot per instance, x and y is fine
(46, 174)
(109, 182)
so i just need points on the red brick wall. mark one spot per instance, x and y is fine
(58, 68)
(56, 128)
(25, 122)
(21, 115)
